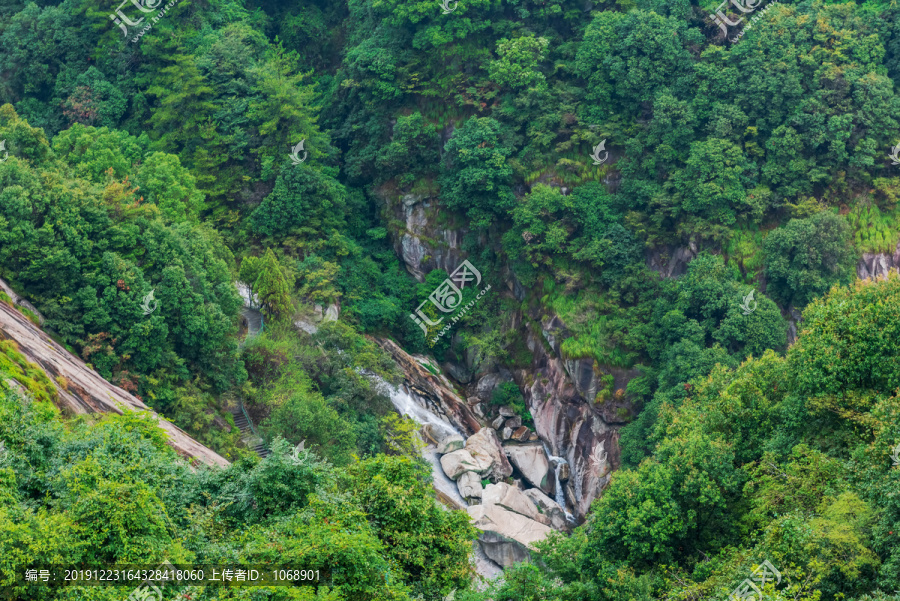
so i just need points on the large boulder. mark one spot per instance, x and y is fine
(506, 535)
(431, 434)
(479, 410)
(521, 434)
(532, 461)
(451, 443)
(549, 508)
(469, 485)
(457, 463)
(502, 550)
(484, 447)
(512, 499)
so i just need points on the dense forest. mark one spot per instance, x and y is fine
(692, 208)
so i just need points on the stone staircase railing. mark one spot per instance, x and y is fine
(249, 434)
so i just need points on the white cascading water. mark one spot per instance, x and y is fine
(406, 405)
(560, 493)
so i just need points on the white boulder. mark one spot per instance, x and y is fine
(512, 499)
(532, 461)
(484, 446)
(507, 536)
(451, 443)
(457, 463)
(469, 485)
(549, 508)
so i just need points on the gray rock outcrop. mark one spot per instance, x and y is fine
(486, 385)
(549, 508)
(451, 443)
(532, 461)
(21, 301)
(484, 447)
(81, 390)
(457, 463)
(671, 261)
(421, 243)
(434, 390)
(572, 427)
(469, 485)
(506, 536)
(877, 265)
(512, 499)
(332, 313)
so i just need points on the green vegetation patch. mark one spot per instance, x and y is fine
(31, 377)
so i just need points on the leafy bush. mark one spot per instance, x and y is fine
(808, 256)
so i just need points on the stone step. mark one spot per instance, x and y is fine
(262, 451)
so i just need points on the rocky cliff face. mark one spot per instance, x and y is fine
(422, 246)
(560, 394)
(574, 415)
(433, 391)
(876, 265)
(574, 447)
(671, 261)
(81, 389)
(581, 436)
(869, 266)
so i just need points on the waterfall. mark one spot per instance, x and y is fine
(406, 405)
(560, 495)
(560, 492)
(404, 402)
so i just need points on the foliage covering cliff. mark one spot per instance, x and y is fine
(163, 165)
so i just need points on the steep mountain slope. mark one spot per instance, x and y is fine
(80, 389)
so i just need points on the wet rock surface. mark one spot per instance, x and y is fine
(470, 486)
